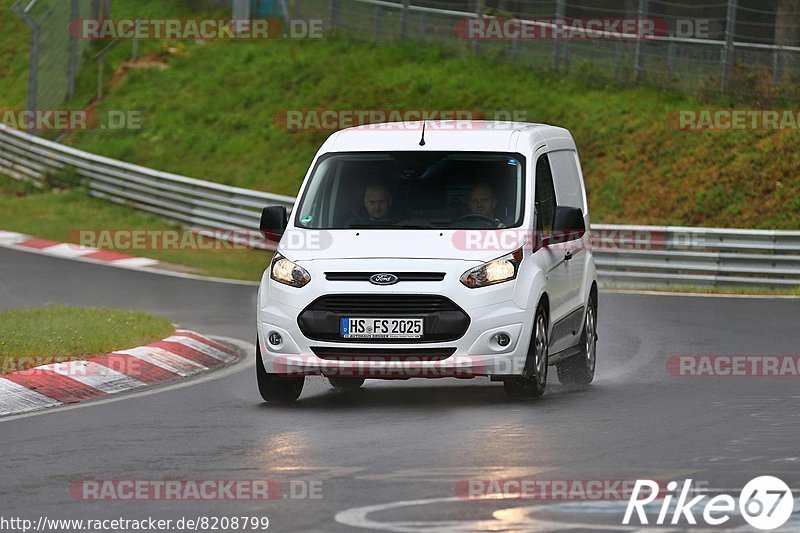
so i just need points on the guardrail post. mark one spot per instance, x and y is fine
(33, 61)
(135, 49)
(404, 19)
(334, 14)
(727, 51)
(514, 48)
(479, 11)
(101, 67)
(72, 66)
(777, 66)
(670, 61)
(639, 43)
(559, 19)
(377, 17)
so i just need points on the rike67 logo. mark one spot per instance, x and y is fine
(765, 503)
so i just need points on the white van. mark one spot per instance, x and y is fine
(454, 251)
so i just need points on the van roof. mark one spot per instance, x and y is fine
(474, 135)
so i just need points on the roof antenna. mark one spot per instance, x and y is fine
(425, 115)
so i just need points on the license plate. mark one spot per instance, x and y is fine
(381, 328)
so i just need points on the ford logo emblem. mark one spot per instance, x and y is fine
(383, 279)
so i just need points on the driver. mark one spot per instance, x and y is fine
(482, 201)
(378, 203)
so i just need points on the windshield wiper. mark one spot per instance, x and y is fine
(390, 226)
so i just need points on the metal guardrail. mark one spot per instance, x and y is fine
(626, 256)
(201, 205)
(673, 256)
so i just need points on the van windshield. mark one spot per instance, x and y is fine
(414, 190)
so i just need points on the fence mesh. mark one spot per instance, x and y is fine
(691, 57)
(55, 54)
(760, 61)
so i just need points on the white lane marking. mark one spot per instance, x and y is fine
(69, 250)
(132, 262)
(95, 375)
(245, 348)
(168, 361)
(9, 238)
(200, 347)
(14, 398)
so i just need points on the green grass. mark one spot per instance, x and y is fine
(59, 214)
(43, 335)
(209, 112)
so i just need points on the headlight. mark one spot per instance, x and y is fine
(496, 271)
(288, 273)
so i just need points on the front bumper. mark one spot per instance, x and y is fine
(475, 353)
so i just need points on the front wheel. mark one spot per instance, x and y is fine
(275, 388)
(532, 382)
(579, 368)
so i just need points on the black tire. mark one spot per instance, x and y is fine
(275, 388)
(346, 383)
(533, 381)
(579, 369)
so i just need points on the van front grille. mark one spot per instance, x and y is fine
(383, 304)
(443, 319)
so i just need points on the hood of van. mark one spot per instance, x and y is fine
(462, 245)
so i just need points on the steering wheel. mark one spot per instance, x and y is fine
(476, 216)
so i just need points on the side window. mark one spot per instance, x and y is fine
(545, 200)
(567, 179)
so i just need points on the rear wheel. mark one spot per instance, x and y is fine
(579, 369)
(346, 383)
(275, 388)
(534, 376)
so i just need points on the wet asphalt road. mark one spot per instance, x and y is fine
(397, 442)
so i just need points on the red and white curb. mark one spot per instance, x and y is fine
(20, 241)
(183, 354)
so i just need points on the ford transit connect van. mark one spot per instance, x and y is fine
(455, 252)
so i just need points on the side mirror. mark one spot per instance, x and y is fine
(567, 226)
(274, 220)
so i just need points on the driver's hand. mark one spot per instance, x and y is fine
(499, 224)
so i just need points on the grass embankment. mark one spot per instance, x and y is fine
(209, 112)
(60, 215)
(44, 335)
